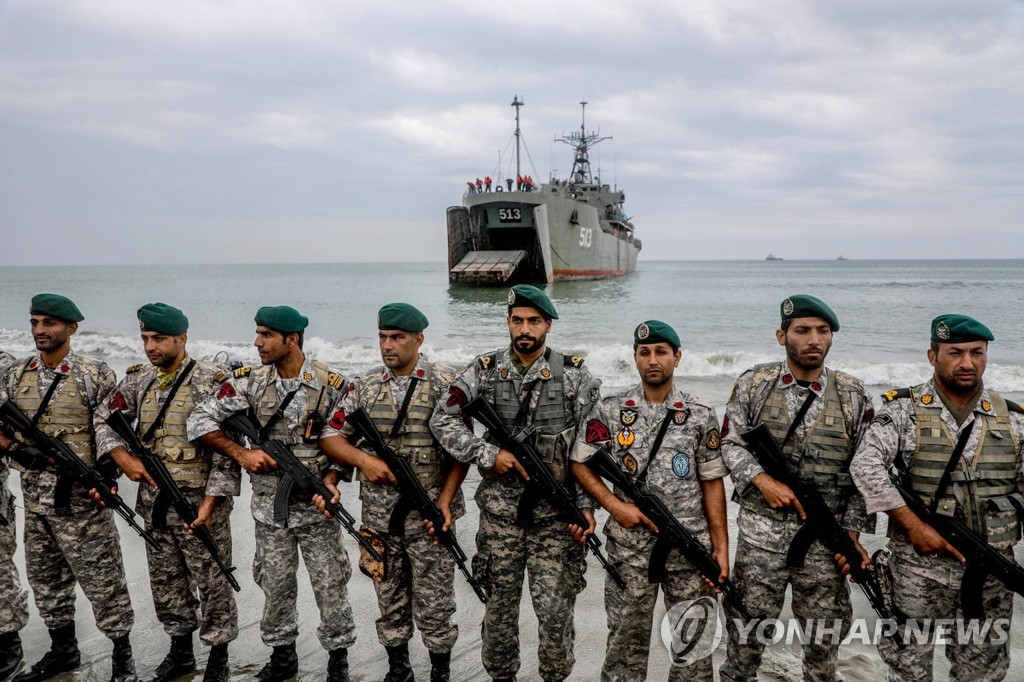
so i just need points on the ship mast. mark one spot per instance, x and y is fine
(582, 142)
(516, 102)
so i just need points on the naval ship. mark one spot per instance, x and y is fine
(565, 229)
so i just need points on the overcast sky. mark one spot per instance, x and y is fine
(275, 130)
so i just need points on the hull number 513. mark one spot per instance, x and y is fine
(510, 215)
(586, 236)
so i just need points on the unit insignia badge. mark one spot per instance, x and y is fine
(643, 331)
(629, 463)
(788, 307)
(627, 417)
(926, 399)
(942, 330)
(511, 296)
(625, 438)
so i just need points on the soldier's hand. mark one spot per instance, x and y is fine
(721, 557)
(928, 542)
(256, 461)
(446, 513)
(843, 565)
(134, 469)
(97, 498)
(580, 534)
(203, 514)
(377, 471)
(778, 495)
(628, 515)
(506, 462)
(321, 504)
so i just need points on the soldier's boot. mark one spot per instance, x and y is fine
(283, 665)
(399, 667)
(217, 669)
(337, 665)
(62, 657)
(440, 666)
(10, 653)
(180, 660)
(122, 665)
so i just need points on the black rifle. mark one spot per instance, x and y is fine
(821, 524)
(671, 534)
(71, 469)
(982, 559)
(295, 473)
(412, 495)
(168, 493)
(542, 483)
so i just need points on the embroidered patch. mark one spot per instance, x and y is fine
(242, 372)
(335, 380)
(891, 395)
(420, 373)
(643, 331)
(679, 417)
(338, 420)
(118, 402)
(713, 440)
(681, 465)
(627, 417)
(883, 419)
(226, 391)
(630, 403)
(456, 396)
(788, 307)
(133, 369)
(594, 395)
(942, 330)
(816, 387)
(545, 373)
(597, 431)
(485, 361)
(220, 377)
(504, 373)
(625, 438)
(306, 376)
(511, 298)
(629, 464)
(986, 405)
(926, 399)
(575, 361)
(787, 379)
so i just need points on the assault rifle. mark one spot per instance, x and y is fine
(821, 524)
(412, 495)
(671, 534)
(294, 473)
(982, 559)
(542, 483)
(168, 493)
(71, 469)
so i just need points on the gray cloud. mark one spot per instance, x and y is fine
(310, 131)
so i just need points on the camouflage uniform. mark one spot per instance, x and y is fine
(13, 597)
(688, 455)
(182, 566)
(820, 448)
(914, 425)
(84, 546)
(565, 394)
(419, 578)
(277, 544)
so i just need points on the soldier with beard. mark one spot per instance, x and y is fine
(816, 415)
(960, 445)
(62, 390)
(532, 387)
(161, 397)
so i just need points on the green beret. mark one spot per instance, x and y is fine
(531, 297)
(282, 318)
(802, 305)
(654, 331)
(55, 305)
(401, 316)
(162, 319)
(959, 329)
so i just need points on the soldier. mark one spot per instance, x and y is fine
(62, 390)
(416, 580)
(161, 396)
(961, 445)
(290, 395)
(816, 415)
(13, 597)
(530, 386)
(668, 440)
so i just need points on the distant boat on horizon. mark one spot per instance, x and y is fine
(772, 256)
(841, 258)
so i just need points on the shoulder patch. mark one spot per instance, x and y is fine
(1014, 407)
(335, 380)
(895, 393)
(241, 372)
(882, 418)
(220, 377)
(487, 361)
(133, 369)
(573, 361)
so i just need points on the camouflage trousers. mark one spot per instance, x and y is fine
(630, 617)
(556, 564)
(83, 548)
(821, 597)
(184, 578)
(419, 583)
(274, 570)
(13, 597)
(926, 590)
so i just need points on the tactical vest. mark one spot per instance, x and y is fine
(981, 490)
(554, 433)
(822, 456)
(68, 416)
(309, 455)
(188, 465)
(415, 440)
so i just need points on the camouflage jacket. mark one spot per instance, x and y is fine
(6, 498)
(87, 381)
(224, 478)
(499, 495)
(380, 500)
(767, 528)
(243, 390)
(689, 453)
